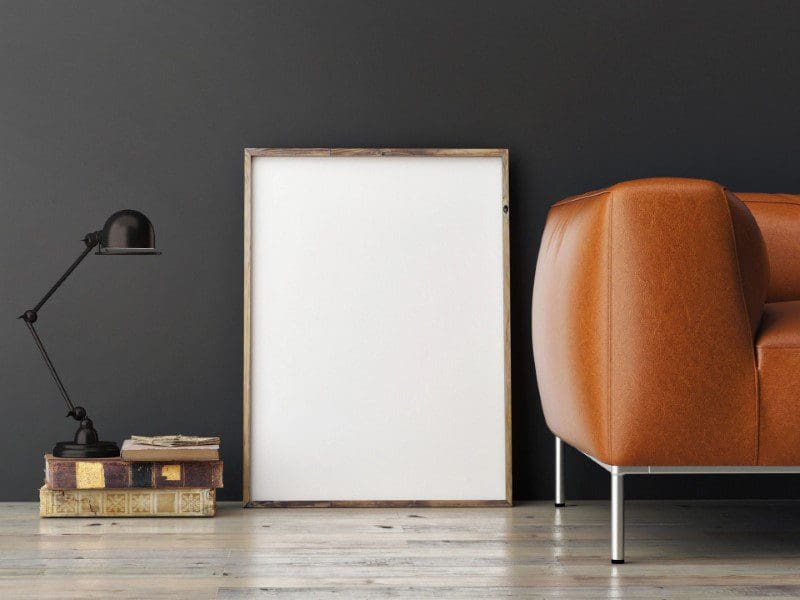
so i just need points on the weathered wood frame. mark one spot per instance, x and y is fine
(249, 154)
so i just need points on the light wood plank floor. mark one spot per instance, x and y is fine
(729, 549)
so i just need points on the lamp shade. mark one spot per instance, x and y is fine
(127, 232)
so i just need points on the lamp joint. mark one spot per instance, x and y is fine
(92, 239)
(78, 413)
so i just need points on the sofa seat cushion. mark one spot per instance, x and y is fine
(778, 354)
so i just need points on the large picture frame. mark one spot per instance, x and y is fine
(280, 465)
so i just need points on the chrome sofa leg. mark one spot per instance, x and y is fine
(559, 472)
(617, 519)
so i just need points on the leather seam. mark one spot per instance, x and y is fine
(758, 420)
(788, 202)
(747, 317)
(579, 198)
(609, 326)
(760, 348)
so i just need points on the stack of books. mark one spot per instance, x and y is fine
(146, 480)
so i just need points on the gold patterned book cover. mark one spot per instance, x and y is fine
(129, 502)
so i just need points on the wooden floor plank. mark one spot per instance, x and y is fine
(703, 550)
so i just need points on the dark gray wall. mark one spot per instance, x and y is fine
(106, 105)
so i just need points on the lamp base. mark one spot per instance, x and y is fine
(90, 450)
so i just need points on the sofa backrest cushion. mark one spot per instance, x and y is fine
(778, 217)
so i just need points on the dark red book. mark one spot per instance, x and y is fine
(103, 473)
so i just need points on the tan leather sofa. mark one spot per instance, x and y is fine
(666, 331)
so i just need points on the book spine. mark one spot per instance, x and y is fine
(116, 474)
(132, 502)
(157, 455)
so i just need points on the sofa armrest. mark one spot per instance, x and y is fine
(646, 299)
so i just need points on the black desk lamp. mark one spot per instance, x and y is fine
(125, 232)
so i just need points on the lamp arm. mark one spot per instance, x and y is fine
(91, 240)
(70, 406)
(30, 316)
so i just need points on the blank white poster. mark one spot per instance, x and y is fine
(377, 328)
